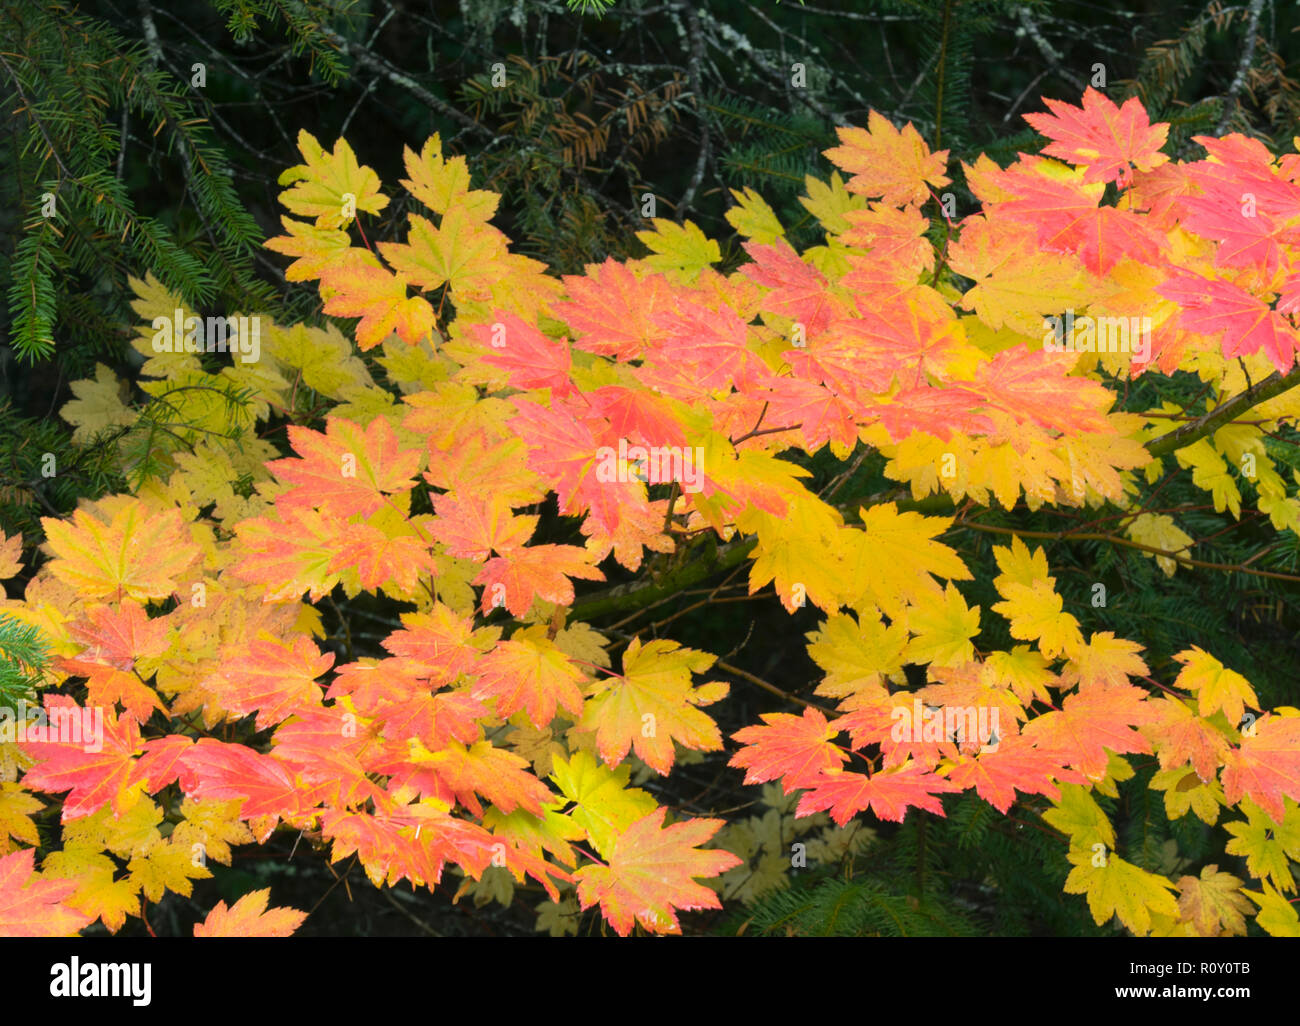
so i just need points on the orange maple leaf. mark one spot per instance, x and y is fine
(651, 873)
(249, 917)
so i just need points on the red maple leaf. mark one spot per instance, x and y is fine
(1266, 766)
(1108, 140)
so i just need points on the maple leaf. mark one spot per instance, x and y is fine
(529, 672)
(1215, 685)
(1107, 139)
(137, 554)
(794, 748)
(604, 805)
(1016, 765)
(99, 894)
(1268, 846)
(35, 906)
(1182, 737)
(1243, 322)
(378, 297)
(95, 768)
(330, 186)
(522, 576)
(112, 640)
(887, 793)
(894, 165)
(612, 311)
(440, 183)
(437, 644)
(1092, 721)
(272, 679)
(165, 866)
(1266, 765)
(462, 252)
(680, 248)
(1119, 888)
(1077, 815)
(1277, 916)
(530, 358)
(1213, 902)
(221, 771)
(347, 470)
(500, 776)
(249, 917)
(291, 553)
(16, 808)
(1037, 614)
(652, 704)
(651, 874)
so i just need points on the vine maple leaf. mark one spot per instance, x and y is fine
(517, 579)
(1216, 686)
(650, 874)
(892, 164)
(1266, 766)
(1119, 888)
(612, 311)
(1213, 902)
(113, 640)
(1016, 765)
(529, 672)
(1092, 721)
(249, 917)
(888, 793)
(92, 778)
(272, 679)
(652, 704)
(1108, 140)
(499, 776)
(1244, 322)
(329, 185)
(794, 748)
(378, 297)
(34, 906)
(530, 358)
(347, 470)
(441, 183)
(223, 771)
(137, 554)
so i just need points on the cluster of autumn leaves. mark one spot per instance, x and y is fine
(494, 732)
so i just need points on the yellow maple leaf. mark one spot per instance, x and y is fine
(943, 626)
(652, 704)
(753, 218)
(166, 866)
(1159, 531)
(1036, 613)
(440, 183)
(680, 248)
(1215, 685)
(98, 405)
(604, 804)
(1119, 888)
(16, 808)
(331, 187)
(138, 554)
